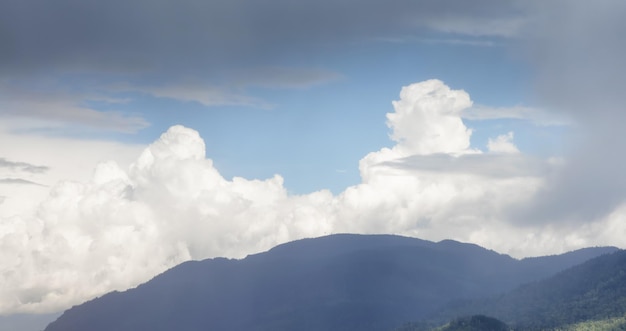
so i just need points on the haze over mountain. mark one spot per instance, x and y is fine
(338, 282)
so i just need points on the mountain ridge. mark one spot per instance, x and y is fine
(336, 282)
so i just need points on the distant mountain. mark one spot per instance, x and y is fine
(592, 292)
(338, 282)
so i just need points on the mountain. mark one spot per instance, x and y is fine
(591, 293)
(338, 282)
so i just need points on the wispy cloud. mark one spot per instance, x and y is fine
(443, 41)
(283, 77)
(18, 181)
(489, 26)
(22, 166)
(51, 107)
(232, 90)
(535, 115)
(202, 93)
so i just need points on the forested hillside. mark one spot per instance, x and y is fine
(591, 295)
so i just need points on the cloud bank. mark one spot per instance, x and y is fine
(127, 224)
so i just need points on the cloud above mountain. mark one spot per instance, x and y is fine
(124, 225)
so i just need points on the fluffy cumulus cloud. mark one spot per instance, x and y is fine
(126, 224)
(426, 121)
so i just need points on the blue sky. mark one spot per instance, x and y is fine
(137, 134)
(314, 135)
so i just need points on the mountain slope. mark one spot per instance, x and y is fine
(592, 291)
(339, 282)
(595, 289)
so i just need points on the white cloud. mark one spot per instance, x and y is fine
(427, 119)
(46, 160)
(124, 224)
(502, 144)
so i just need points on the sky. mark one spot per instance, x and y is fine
(136, 134)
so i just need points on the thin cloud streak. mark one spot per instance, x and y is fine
(19, 181)
(536, 116)
(46, 106)
(22, 166)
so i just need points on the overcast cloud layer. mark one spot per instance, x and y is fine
(137, 34)
(208, 52)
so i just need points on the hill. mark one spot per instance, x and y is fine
(591, 293)
(338, 282)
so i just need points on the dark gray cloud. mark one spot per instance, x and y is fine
(577, 51)
(22, 166)
(128, 36)
(210, 52)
